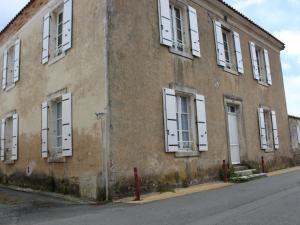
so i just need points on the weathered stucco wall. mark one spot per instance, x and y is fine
(139, 67)
(80, 72)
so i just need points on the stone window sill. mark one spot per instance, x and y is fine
(8, 88)
(181, 53)
(56, 58)
(263, 83)
(191, 153)
(9, 162)
(57, 159)
(231, 71)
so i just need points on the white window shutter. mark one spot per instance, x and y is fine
(165, 22)
(67, 124)
(298, 133)
(238, 52)
(46, 38)
(254, 60)
(4, 74)
(262, 129)
(219, 44)
(17, 60)
(2, 138)
(201, 123)
(268, 68)
(44, 131)
(170, 118)
(14, 155)
(67, 26)
(275, 130)
(195, 42)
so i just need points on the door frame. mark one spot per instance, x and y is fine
(238, 102)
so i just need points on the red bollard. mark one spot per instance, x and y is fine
(262, 164)
(225, 171)
(137, 185)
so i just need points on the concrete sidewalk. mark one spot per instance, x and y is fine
(156, 196)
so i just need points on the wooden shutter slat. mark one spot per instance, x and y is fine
(14, 155)
(67, 124)
(238, 52)
(262, 129)
(219, 44)
(46, 38)
(17, 60)
(2, 140)
(4, 74)
(67, 25)
(275, 130)
(268, 68)
(44, 131)
(201, 123)
(254, 60)
(170, 118)
(165, 27)
(195, 42)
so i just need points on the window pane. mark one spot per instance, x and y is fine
(184, 107)
(184, 122)
(185, 136)
(59, 110)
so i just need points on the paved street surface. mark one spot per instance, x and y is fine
(273, 200)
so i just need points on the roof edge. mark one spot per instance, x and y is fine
(252, 22)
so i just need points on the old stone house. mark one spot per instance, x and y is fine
(91, 89)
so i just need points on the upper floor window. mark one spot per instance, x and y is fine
(228, 47)
(260, 64)
(11, 65)
(57, 31)
(179, 28)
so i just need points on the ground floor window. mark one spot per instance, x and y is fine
(57, 127)
(183, 122)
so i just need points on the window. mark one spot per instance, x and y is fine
(268, 129)
(261, 64)
(183, 122)
(56, 129)
(57, 32)
(11, 64)
(9, 138)
(177, 27)
(178, 24)
(228, 48)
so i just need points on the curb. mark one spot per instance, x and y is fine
(68, 198)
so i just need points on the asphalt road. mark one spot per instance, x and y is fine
(268, 201)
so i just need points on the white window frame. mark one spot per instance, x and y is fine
(178, 45)
(59, 48)
(228, 61)
(179, 122)
(58, 121)
(261, 64)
